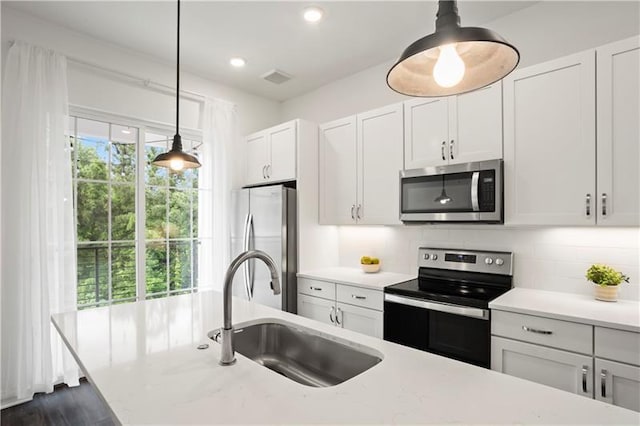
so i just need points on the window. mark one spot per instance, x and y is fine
(137, 224)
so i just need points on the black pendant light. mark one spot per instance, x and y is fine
(177, 159)
(443, 198)
(453, 59)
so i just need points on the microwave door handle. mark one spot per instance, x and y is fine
(475, 180)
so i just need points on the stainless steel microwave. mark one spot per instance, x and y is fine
(469, 192)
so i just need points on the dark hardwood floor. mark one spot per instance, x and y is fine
(74, 406)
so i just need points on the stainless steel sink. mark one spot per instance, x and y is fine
(301, 354)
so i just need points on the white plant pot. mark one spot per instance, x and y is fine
(607, 293)
(370, 269)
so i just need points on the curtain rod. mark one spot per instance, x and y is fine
(146, 82)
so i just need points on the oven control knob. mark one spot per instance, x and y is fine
(499, 262)
(426, 256)
(434, 256)
(488, 261)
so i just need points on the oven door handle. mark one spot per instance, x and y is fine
(466, 311)
(475, 179)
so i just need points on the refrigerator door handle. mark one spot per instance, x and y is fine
(251, 262)
(245, 247)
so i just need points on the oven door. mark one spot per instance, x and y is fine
(470, 192)
(457, 332)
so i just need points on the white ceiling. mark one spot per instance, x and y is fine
(352, 37)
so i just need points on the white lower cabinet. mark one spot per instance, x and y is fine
(324, 301)
(552, 367)
(618, 384)
(362, 320)
(316, 308)
(596, 362)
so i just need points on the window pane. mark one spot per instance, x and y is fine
(179, 213)
(156, 212)
(194, 213)
(123, 212)
(93, 271)
(156, 267)
(195, 245)
(123, 271)
(92, 211)
(155, 145)
(123, 162)
(179, 265)
(92, 149)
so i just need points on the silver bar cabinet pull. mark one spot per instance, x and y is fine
(358, 211)
(331, 317)
(535, 330)
(315, 288)
(604, 204)
(338, 314)
(268, 170)
(584, 378)
(588, 205)
(353, 215)
(603, 383)
(442, 150)
(355, 296)
(264, 176)
(451, 149)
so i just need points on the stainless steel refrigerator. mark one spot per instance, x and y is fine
(264, 219)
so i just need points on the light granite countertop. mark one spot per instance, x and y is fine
(356, 277)
(622, 315)
(143, 361)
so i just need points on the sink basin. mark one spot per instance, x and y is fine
(301, 354)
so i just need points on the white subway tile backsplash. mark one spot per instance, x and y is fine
(554, 259)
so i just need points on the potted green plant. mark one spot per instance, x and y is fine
(606, 280)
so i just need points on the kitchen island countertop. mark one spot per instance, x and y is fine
(143, 361)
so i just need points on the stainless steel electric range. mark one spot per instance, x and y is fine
(446, 309)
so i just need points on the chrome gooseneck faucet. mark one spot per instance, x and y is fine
(228, 355)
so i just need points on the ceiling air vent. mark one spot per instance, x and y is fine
(276, 76)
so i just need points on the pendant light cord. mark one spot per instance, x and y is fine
(178, 76)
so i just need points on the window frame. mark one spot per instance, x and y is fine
(144, 127)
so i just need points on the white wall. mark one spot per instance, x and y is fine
(545, 258)
(103, 91)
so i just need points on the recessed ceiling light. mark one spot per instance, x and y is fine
(313, 14)
(126, 132)
(237, 62)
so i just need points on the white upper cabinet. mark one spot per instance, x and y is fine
(271, 154)
(426, 128)
(549, 142)
(476, 125)
(379, 164)
(360, 161)
(619, 133)
(452, 130)
(338, 172)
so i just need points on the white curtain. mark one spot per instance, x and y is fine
(219, 131)
(38, 233)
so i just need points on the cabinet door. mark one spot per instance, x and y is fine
(380, 139)
(257, 154)
(619, 133)
(316, 308)
(549, 143)
(282, 164)
(362, 320)
(426, 127)
(618, 384)
(476, 125)
(559, 369)
(338, 174)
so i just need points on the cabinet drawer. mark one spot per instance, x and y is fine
(617, 345)
(544, 331)
(317, 288)
(367, 298)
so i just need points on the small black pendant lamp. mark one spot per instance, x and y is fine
(177, 159)
(453, 59)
